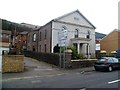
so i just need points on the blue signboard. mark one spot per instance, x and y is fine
(118, 53)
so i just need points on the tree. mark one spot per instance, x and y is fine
(56, 49)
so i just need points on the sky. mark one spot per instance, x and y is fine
(103, 14)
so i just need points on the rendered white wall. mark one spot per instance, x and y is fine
(71, 31)
(75, 18)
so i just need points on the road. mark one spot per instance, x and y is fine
(74, 79)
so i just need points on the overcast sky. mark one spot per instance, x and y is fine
(103, 14)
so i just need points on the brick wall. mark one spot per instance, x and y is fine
(32, 44)
(110, 42)
(45, 39)
(21, 41)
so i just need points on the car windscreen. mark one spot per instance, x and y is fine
(110, 60)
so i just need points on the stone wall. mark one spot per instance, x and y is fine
(82, 63)
(12, 63)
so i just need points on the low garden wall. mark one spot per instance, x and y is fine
(82, 63)
(12, 63)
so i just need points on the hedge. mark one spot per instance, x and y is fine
(52, 58)
(46, 57)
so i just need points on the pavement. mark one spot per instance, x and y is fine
(39, 74)
(35, 68)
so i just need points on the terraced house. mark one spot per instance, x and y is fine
(5, 38)
(111, 42)
(80, 33)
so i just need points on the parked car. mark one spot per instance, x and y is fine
(107, 64)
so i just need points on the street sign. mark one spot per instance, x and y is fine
(97, 46)
(62, 37)
(62, 41)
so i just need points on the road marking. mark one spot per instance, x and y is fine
(114, 81)
(21, 78)
(43, 69)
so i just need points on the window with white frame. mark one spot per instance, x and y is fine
(76, 33)
(40, 36)
(34, 37)
(45, 34)
(88, 35)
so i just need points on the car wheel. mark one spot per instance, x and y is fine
(110, 69)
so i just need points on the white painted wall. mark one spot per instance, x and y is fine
(75, 18)
(56, 26)
(72, 21)
(1, 49)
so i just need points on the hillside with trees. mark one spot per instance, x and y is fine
(12, 26)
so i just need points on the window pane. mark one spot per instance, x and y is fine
(45, 34)
(110, 60)
(34, 37)
(115, 60)
(102, 60)
(40, 36)
(76, 33)
(88, 35)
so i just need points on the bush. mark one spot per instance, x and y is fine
(80, 56)
(75, 54)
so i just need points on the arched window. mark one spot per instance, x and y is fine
(76, 33)
(34, 37)
(88, 35)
